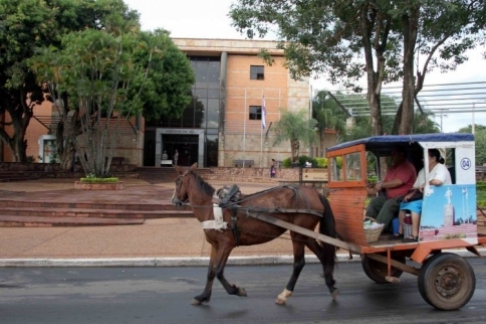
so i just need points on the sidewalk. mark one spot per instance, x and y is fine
(158, 242)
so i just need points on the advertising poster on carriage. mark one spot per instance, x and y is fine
(449, 212)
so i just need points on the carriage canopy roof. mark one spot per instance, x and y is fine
(391, 140)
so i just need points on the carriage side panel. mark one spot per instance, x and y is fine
(348, 205)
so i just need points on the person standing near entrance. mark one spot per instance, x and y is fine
(176, 157)
(272, 169)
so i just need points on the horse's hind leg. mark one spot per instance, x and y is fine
(299, 263)
(220, 265)
(327, 264)
(206, 294)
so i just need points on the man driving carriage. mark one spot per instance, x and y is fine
(398, 181)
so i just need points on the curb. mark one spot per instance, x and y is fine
(179, 261)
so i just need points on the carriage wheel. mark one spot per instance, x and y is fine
(446, 281)
(378, 271)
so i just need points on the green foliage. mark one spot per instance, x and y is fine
(347, 39)
(295, 127)
(25, 26)
(287, 163)
(480, 141)
(99, 180)
(304, 158)
(118, 72)
(481, 186)
(321, 162)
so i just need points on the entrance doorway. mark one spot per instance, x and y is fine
(187, 145)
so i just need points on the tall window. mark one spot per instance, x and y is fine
(257, 72)
(255, 112)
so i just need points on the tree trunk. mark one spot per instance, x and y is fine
(410, 28)
(373, 21)
(295, 147)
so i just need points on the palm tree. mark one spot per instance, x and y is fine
(328, 115)
(295, 127)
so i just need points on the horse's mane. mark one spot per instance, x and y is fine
(206, 187)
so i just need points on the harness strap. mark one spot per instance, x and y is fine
(234, 222)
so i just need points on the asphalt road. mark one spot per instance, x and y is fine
(163, 295)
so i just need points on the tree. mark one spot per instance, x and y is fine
(328, 114)
(329, 37)
(480, 141)
(29, 24)
(347, 39)
(295, 127)
(439, 31)
(112, 75)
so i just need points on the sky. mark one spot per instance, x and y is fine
(209, 19)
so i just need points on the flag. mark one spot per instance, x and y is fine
(264, 113)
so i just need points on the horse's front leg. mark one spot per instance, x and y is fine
(224, 253)
(299, 263)
(206, 294)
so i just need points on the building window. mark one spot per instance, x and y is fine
(255, 112)
(256, 72)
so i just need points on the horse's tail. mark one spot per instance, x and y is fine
(327, 227)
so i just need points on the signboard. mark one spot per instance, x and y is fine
(314, 174)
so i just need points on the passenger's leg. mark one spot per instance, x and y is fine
(388, 211)
(376, 204)
(401, 221)
(415, 224)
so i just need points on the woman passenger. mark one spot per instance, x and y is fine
(438, 175)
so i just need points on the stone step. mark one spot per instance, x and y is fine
(38, 221)
(9, 203)
(93, 213)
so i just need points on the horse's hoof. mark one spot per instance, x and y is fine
(280, 301)
(241, 292)
(196, 302)
(335, 293)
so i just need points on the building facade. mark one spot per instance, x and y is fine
(222, 123)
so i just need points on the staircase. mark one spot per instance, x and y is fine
(7, 176)
(165, 174)
(88, 208)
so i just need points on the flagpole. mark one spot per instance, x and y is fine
(261, 131)
(279, 120)
(244, 131)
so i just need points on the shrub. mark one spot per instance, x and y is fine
(89, 179)
(321, 162)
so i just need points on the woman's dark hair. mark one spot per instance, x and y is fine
(436, 153)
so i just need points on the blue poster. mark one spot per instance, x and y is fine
(449, 212)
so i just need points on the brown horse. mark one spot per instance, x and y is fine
(235, 227)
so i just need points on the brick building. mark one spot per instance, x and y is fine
(222, 123)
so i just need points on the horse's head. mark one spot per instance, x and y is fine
(181, 192)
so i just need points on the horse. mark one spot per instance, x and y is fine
(234, 227)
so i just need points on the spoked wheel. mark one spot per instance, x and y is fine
(446, 281)
(378, 271)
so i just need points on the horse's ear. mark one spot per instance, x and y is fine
(193, 167)
(178, 169)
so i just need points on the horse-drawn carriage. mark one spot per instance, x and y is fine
(446, 281)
